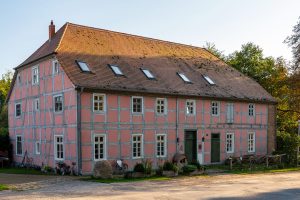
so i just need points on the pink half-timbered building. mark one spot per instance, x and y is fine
(89, 94)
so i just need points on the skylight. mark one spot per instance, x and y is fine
(83, 66)
(184, 77)
(208, 79)
(116, 70)
(148, 74)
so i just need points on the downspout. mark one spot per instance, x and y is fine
(177, 119)
(79, 146)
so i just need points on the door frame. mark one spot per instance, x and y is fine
(196, 140)
(211, 147)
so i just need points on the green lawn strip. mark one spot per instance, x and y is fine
(124, 180)
(20, 171)
(3, 187)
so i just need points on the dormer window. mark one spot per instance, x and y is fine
(209, 80)
(148, 74)
(116, 70)
(184, 77)
(83, 66)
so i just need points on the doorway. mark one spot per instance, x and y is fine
(190, 145)
(215, 147)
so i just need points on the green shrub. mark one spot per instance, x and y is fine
(139, 167)
(189, 168)
(287, 143)
(169, 166)
(148, 166)
(197, 164)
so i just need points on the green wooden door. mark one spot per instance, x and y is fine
(190, 145)
(215, 147)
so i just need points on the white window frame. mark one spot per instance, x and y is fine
(35, 103)
(55, 147)
(230, 113)
(218, 108)
(19, 136)
(232, 143)
(55, 70)
(104, 147)
(117, 70)
(142, 146)
(62, 103)
(38, 147)
(35, 72)
(159, 105)
(184, 77)
(251, 150)
(253, 109)
(18, 116)
(187, 106)
(148, 73)
(142, 105)
(98, 102)
(19, 80)
(165, 145)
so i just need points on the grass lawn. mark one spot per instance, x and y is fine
(3, 187)
(19, 171)
(124, 180)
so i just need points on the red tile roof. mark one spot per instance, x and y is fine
(99, 47)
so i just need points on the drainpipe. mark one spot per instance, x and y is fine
(177, 119)
(79, 146)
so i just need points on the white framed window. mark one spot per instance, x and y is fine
(148, 73)
(230, 113)
(137, 105)
(37, 104)
(58, 103)
(84, 67)
(209, 80)
(99, 102)
(116, 69)
(35, 75)
(190, 106)
(215, 108)
(137, 146)
(184, 77)
(99, 147)
(18, 110)
(229, 142)
(251, 142)
(19, 81)
(161, 145)
(55, 67)
(251, 109)
(161, 106)
(37, 147)
(19, 145)
(59, 147)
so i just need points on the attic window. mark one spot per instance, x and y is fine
(116, 70)
(208, 79)
(83, 66)
(148, 74)
(184, 77)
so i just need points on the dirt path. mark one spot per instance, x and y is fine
(257, 186)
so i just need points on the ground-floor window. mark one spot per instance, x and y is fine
(99, 147)
(229, 142)
(137, 146)
(251, 142)
(19, 145)
(58, 147)
(161, 145)
(37, 147)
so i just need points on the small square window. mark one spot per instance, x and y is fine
(161, 106)
(209, 80)
(190, 107)
(55, 66)
(83, 66)
(137, 105)
(58, 103)
(148, 74)
(18, 110)
(98, 102)
(184, 77)
(116, 70)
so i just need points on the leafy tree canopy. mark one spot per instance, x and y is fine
(294, 42)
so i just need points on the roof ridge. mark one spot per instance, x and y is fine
(138, 36)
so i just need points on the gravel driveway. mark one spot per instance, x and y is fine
(258, 186)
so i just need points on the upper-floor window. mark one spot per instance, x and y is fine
(35, 75)
(161, 106)
(58, 147)
(58, 103)
(229, 113)
(229, 142)
(137, 105)
(190, 107)
(18, 110)
(251, 109)
(36, 104)
(251, 142)
(98, 102)
(215, 109)
(19, 145)
(19, 81)
(55, 67)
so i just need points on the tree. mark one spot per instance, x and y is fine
(5, 82)
(294, 42)
(211, 47)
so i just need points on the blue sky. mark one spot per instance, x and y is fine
(227, 23)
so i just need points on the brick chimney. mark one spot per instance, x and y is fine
(51, 30)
